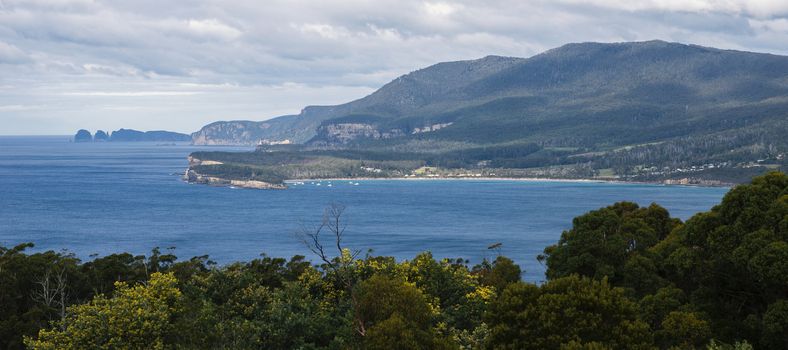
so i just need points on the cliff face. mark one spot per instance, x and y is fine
(231, 133)
(343, 133)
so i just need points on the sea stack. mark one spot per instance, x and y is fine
(83, 136)
(100, 136)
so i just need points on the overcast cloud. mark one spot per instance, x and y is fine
(177, 65)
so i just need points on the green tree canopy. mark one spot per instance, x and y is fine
(136, 317)
(613, 243)
(565, 312)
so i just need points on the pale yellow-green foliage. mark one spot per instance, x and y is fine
(135, 317)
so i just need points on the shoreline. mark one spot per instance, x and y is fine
(520, 179)
(191, 176)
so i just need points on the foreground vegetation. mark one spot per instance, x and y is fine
(623, 277)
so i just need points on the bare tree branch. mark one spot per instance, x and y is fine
(334, 221)
(52, 290)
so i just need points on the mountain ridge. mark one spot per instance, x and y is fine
(302, 127)
(502, 77)
(636, 110)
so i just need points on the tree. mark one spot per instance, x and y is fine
(138, 317)
(775, 325)
(566, 312)
(501, 273)
(684, 330)
(340, 267)
(396, 315)
(612, 243)
(52, 290)
(732, 261)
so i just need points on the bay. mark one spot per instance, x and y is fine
(103, 198)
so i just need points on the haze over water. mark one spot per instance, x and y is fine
(102, 198)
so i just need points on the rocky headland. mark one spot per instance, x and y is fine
(130, 135)
(192, 175)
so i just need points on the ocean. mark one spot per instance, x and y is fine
(102, 198)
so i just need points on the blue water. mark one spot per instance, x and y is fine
(127, 197)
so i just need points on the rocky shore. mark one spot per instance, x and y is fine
(192, 176)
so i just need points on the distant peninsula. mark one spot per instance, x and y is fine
(639, 112)
(130, 135)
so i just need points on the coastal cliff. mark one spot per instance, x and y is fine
(210, 177)
(130, 135)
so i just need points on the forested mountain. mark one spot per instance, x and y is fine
(432, 88)
(645, 109)
(658, 89)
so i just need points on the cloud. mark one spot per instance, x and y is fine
(756, 8)
(11, 54)
(148, 64)
(439, 9)
(20, 107)
(213, 28)
(131, 93)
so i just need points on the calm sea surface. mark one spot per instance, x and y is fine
(127, 197)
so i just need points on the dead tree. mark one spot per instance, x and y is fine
(334, 224)
(52, 290)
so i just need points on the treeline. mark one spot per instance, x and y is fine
(727, 152)
(732, 147)
(623, 277)
(232, 171)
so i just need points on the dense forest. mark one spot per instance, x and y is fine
(623, 277)
(708, 160)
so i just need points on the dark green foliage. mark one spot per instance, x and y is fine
(775, 325)
(732, 260)
(624, 277)
(230, 171)
(613, 243)
(685, 330)
(565, 310)
(501, 273)
(35, 289)
(720, 275)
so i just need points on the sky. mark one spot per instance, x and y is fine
(178, 65)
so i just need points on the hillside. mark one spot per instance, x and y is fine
(431, 88)
(644, 110)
